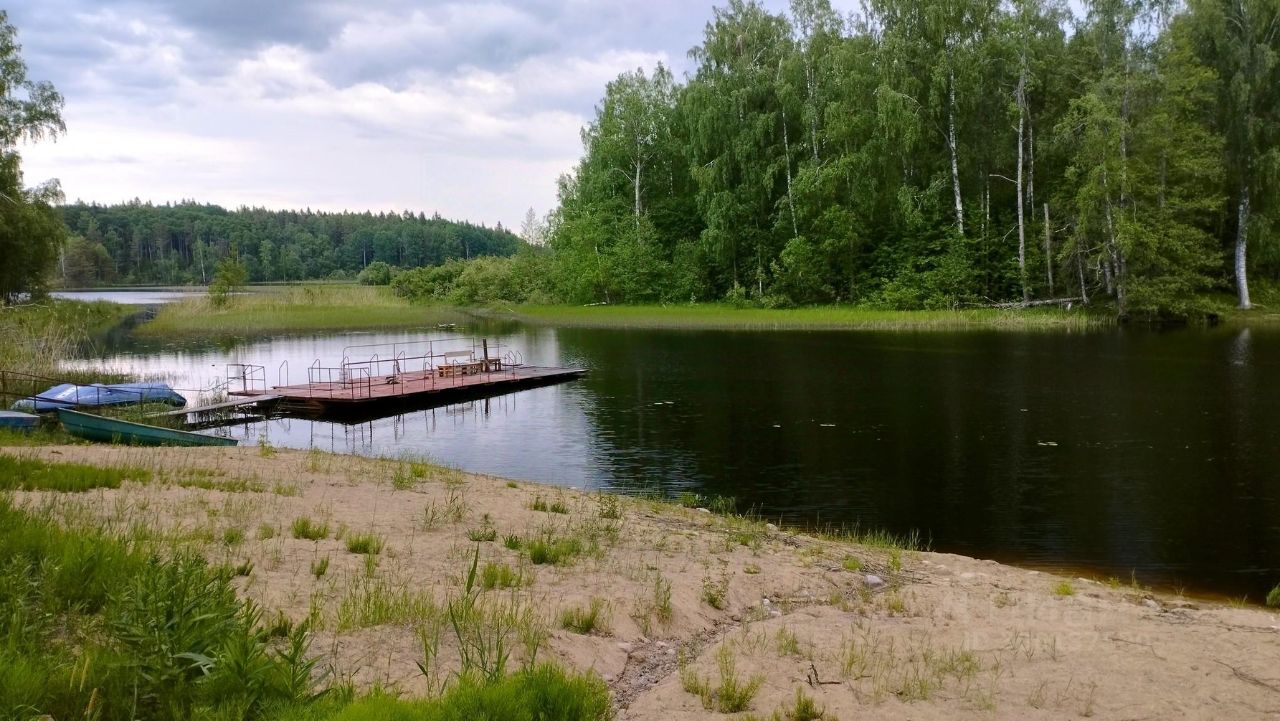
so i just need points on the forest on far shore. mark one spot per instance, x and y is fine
(177, 244)
(919, 154)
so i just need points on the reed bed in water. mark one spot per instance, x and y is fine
(36, 338)
(296, 309)
(721, 316)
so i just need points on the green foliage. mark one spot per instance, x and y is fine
(229, 279)
(1273, 598)
(907, 161)
(96, 628)
(29, 474)
(31, 234)
(542, 693)
(376, 273)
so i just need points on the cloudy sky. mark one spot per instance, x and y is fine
(469, 109)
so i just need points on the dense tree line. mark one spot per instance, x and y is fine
(929, 153)
(175, 244)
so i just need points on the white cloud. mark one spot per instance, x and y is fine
(468, 109)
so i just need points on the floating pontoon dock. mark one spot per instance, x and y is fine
(410, 375)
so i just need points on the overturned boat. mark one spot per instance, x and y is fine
(97, 395)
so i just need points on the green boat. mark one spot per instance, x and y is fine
(111, 430)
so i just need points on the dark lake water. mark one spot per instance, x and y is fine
(1118, 451)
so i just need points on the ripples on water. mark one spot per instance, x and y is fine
(1119, 450)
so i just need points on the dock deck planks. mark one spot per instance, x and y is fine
(413, 386)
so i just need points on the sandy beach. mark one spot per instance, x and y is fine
(685, 613)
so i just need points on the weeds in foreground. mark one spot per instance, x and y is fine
(499, 575)
(319, 567)
(731, 695)
(804, 708)
(592, 619)
(170, 637)
(486, 629)
(544, 692)
(715, 592)
(1064, 588)
(484, 534)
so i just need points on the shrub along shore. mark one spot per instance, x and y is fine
(255, 583)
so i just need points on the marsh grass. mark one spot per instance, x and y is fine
(871, 538)
(723, 316)
(303, 308)
(35, 338)
(29, 474)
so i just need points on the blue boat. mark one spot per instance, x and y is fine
(18, 421)
(69, 395)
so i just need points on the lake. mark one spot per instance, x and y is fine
(1113, 452)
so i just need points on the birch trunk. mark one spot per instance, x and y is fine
(1084, 294)
(791, 203)
(951, 142)
(1048, 250)
(1031, 159)
(639, 169)
(1022, 225)
(1242, 240)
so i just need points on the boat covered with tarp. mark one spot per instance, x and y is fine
(96, 395)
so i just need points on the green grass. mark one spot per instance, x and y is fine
(28, 474)
(586, 620)
(499, 575)
(731, 695)
(369, 544)
(307, 529)
(1064, 589)
(553, 551)
(1273, 598)
(296, 309)
(542, 693)
(482, 535)
(721, 316)
(95, 627)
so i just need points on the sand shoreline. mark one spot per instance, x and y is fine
(678, 593)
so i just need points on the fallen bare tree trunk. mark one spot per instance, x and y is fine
(1034, 303)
